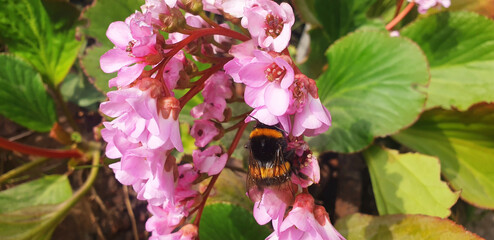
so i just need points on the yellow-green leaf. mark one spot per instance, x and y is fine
(411, 227)
(464, 143)
(408, 183)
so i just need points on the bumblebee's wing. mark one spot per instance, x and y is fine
(253, 189)
(282, 167)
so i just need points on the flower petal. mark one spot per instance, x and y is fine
(253, 74)
(119, 34)
(277, 99)
(115, 59)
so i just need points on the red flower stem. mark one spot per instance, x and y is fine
(215, 177)
(237, 125)
(204, 32)
(399, 3)
(199, 84)
(209, 20)
(50, 153)
(195, 35)
(400, 16)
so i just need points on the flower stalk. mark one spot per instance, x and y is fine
(400, 16)
(36, 151)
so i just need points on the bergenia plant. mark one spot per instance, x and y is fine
(246, 119)
(144, 110)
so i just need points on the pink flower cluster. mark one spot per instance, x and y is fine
(305, 221)
(144, 129)
(276, 93)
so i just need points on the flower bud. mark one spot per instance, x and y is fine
(193, 6)
(172, 22)
(169, 107)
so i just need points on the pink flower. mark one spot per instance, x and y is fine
(171, 72)
(394, 34)
(164, 220)
(301, 223)
(187, 232)
(270, 207)
(263, 115)
(309, 169)
(313, 120)
(218, 85)
(137, 118)
(269, 24)
(267, 81)
(203, 131)
(243, 55)
(135, 42)
(210, 161)
(213, 109)
(424, 5)
(232, 7)
(155, 8)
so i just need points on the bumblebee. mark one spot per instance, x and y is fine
(269, 161)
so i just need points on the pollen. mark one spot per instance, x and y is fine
(274, 73)
(274, 25)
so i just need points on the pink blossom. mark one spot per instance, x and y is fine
(269, 24)
(210, 161)
(137, 118)
(232, 7)
(186, 177)
(270, 207)
(155, 8)
(134, 42)
(164, 220)
(300, 223)
(309, 169)
(171, 72)
(267, 81)
(187, 232)
(263, 115)
(424, 5)
(243, 55)
(218, 85)
(314, 119)
(394, 34)
(213, 109)
(203, 131)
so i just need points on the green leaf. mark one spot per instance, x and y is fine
(339, 17)
(305, 9)
(104, 12)
(361, 226)
(370, 89)
(24, 208)
(99, 19)
(408, 183)
(90, 65)
(460, 50)
(51, 189)
(335, 18)
(78, 90)
(23, 98)
(46, 41)
(464, 143)
(227, 221)
(316, 61)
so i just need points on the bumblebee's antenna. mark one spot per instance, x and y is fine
(277, 128)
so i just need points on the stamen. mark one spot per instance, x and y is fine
(274, 25)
